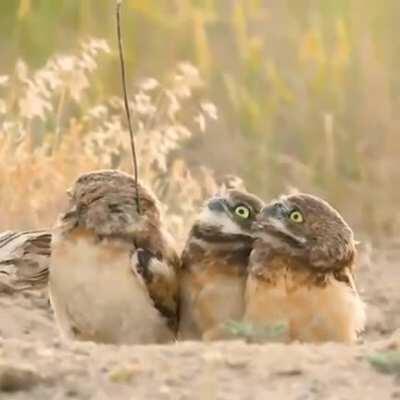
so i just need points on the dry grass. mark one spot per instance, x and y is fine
(308, 91)
(51, 130)
(60, 120)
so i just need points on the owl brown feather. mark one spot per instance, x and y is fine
(113, 270)
(301, 272)
(214, 264)
(24, 260)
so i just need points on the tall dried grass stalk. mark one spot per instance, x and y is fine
(51, 131)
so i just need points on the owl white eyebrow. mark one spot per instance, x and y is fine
(221, 221)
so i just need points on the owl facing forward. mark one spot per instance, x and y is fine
(113, 270)
(214, 265)
(301, 272)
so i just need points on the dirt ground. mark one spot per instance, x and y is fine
(35, 364)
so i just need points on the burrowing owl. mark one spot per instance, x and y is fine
(301, 272)
(24, 260)
(113, 270)
(214, 264)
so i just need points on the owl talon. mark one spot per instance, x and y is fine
(143, 265)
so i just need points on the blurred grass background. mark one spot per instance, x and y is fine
(308, 91)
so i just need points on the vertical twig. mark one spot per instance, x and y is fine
(127, 110)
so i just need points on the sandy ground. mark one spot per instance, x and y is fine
(35, 364)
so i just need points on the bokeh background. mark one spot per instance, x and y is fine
(307, 92)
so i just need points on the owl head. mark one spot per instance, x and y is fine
(231, 213)
(105, 201)
(307, 228)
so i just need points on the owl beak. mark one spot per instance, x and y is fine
(270, 221)
(216, 204)
(271, 212)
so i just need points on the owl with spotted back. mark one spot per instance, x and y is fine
(113, 270)
(24, 260)
(301, 272)
(214, 265)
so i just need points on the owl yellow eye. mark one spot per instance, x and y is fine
(296, 216)
(242, 212)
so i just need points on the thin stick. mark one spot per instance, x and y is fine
(128, 113)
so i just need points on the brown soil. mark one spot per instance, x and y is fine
(35, 364)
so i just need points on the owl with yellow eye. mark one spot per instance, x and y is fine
(301, 272)
(214, 265)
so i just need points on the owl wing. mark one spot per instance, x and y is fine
(159, 277)
(24, 260)
(346, 276)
